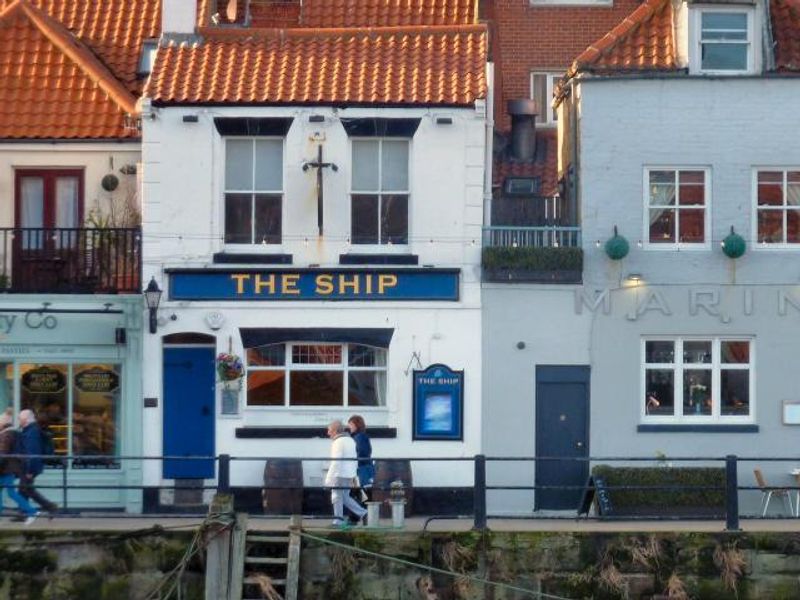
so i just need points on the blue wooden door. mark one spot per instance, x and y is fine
(562, 431)
(189, 411)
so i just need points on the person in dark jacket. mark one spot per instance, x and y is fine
(10, 468)
(29, 443)
(366, 468)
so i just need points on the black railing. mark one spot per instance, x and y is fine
(70, 261)
(596, 496)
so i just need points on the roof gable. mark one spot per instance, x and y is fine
(51, 85)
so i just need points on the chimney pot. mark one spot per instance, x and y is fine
(523, 132)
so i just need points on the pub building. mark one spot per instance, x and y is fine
(319, 221)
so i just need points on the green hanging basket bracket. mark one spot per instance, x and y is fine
(734, 245)
(617, 247)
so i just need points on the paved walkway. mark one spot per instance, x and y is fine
(105, 522)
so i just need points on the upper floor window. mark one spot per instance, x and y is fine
(697, 379)
(380, 190)
(316, 374)
(147, 58)
(676, 205)
(253, 190)
(778, 206)
(723, 41)
(542, 85)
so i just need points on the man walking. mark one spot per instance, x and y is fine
(29, 443)
(10, 469)
(341, 473)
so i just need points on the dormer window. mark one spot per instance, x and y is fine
(723, 41)
(147, 57)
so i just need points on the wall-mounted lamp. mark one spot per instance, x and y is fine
(190, 118)
(634, 277)
(152, 298)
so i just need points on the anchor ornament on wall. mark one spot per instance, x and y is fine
(319, 165)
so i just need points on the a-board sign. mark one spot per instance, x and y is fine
(596, 490)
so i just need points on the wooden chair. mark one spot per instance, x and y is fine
(768, 493)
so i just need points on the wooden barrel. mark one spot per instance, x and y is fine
(283, 487)
(387, 471)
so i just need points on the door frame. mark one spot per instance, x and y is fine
(48, 174)
(584, 376)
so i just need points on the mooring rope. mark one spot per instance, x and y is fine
(481, 580)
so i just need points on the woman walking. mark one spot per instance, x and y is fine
(366, 468)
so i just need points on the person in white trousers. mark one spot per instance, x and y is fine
(341, 473)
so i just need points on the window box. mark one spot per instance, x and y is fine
(533, 265)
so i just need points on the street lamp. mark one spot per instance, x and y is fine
(152, 297)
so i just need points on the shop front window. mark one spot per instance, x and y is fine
(79, 406)
(6, 386)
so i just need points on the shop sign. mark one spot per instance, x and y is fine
(438, 404)
(315, 284)
(44, 380)
(99, 380)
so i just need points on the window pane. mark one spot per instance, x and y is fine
(273, 355)
(697, 352)
(770, 188)
(365, 356)
(735, 352)
(366, 388)
(265, 388)
(692, 225)
(364, 220)
(316, 388)
(238, 219)
(793, 189)
(725, 57)
(549, 100)
(96, 407)
(43, 389)
(309, 354)
(6, 386)
(724, 25)
(697, 392)
(735, 392)
(662, 226)
(268, 219)
(239, 165)
(269, 165)
(540, 92)
(394, 219)
(793, 226)
(365, 166)
(770, 226)
(67, 201)
(32, 192)
(394, 166)
(662, 188)
(692, 187)
(659, 352)
(659, 392)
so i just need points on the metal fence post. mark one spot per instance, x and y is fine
(731, 494)
(480, 492)
(224, 479)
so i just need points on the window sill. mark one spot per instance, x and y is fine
(656, 247)
(305, 432)
(699, 428)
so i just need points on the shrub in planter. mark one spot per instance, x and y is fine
(684, 500)
(533, 259)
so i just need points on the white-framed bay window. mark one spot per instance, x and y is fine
(297, 374)
(777, 206)
(253, 190)
(676, 207)
(542, 85)
(698, 380)
(379, 194)
(722, 40)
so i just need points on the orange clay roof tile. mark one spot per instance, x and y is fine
(51, 84)
(544, 166)
(786, 34)
(390, 66)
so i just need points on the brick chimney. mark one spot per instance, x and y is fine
(178, 16)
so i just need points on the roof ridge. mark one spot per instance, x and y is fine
(306, 32)
(77, 51)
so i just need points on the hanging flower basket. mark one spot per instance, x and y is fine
(229, 367)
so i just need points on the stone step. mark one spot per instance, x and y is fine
(269, 539)
(254, 560)
(254, 581)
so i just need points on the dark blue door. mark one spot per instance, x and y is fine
(562, 431)
(189, 411)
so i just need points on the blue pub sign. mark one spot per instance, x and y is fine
(336, 284)
(438, 404)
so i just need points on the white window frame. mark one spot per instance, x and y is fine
(545, 116)
(696, 42)
(677, 245)
(715, 366)
(249, 248)
(289, 367)
(784, 245)
(388, 247)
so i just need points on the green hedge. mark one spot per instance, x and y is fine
(684, 500)
(533, 259)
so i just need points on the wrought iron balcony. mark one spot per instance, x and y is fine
(70, 261)
(548, 254)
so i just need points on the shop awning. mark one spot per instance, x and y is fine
(262, 336)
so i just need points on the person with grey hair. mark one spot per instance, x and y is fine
(10, 468)
(341, 473)
(29, 443)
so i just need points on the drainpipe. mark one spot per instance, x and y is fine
(489, 162)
